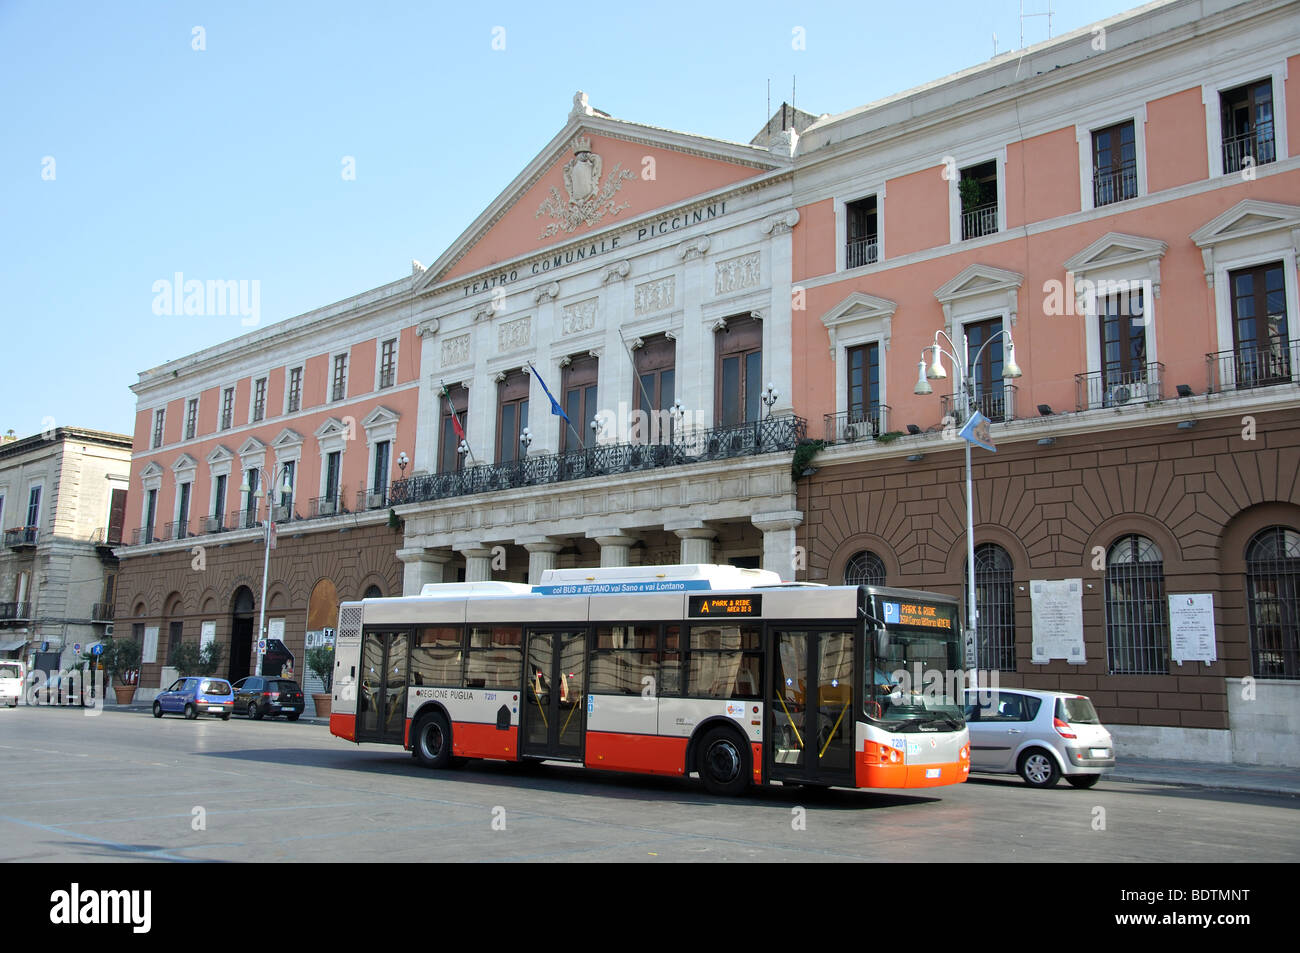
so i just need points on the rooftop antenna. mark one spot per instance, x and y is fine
(1024, 15)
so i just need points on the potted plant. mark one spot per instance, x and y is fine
(121, 660)
(320, 661)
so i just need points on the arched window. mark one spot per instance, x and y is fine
(995, 602)
(373, 592)
(1273, 596)
(1137, 613)
(865, 569)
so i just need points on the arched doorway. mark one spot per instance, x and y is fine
(241, 633)
(322, 617)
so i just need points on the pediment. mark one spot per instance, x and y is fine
(220, 454)
(287, 438)
(626, 171)
(250, 446)
(184, 462)
(153, 469)
(379, 417)
(977, 280)
(1115, 248)
(332, 427)
(859, 306)
(1246, 218)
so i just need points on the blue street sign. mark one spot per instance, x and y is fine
(97, 648)
(977, 432)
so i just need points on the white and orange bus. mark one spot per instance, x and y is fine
(671, 670)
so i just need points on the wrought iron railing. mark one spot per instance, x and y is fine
(14, 611)
(372, 499)
(861, 251)
(1250, 366)
(179, 529)
(769, 435)
(1115, 186)
(143, 535)
(243, 519)
(1116, 388)
(102, 612)
(979, 221)
(21, 536)
(854, 425)
(1258, 146)
(214, 524)
(997, 405)
(326, 506)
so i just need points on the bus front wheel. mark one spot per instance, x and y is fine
(723, 763)
(431, 740)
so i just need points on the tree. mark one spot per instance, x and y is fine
(119, 657)
(321, 662)
(210, 658)
(185, 657)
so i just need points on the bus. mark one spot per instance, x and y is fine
(719, 671)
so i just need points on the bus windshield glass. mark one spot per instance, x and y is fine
(914, 673)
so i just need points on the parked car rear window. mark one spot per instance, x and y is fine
(215, 688)
(10, 671)
(286, 686)
(1077, 711)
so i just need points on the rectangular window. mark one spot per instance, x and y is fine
(150, 512)
(578, 386)
(286, 498)
(295, 390)
(333, 464)
(512, 416)
(864, 385)
(861, 235)
(259, 398)
(739, 375)
(227, 408)
(250, 498)
(191, 418)
(116, 515)
(1260, 329)
(437, 657)
(219, 500)
(34, 507)
(175, 633)
(388, 363)
(988, 387)
(455, 412)
(379, 478)
(1123, 348)
(978, 191)
(1246, 115)
(158, 417)
(625, 656)
(183, 513)
(340, 387)
(724, 662)
(1114, 164)
(656, 376)
(495, 658)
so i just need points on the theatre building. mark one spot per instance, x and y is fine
(1122, 203)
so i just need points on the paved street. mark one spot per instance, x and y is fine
(124, 786)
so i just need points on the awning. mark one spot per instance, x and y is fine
(12, 645)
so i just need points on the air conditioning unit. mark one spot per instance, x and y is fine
(327, 507)
(212, 524)
(859, 430)
(282, 513)
(1117, 395)
(375, 499)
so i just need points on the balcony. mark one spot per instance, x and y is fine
(1251, 366)
(998, 405)
(1258, 146)
(178, 530)
(979, 222)
(283, 513)
(15, 611)
(769, 435)
(21, 537)
(861, 251)
(102, 612)
(214, 524)
(143, 536)
(372, 499)
(326, 506)
(243, 519)
(1113, 388)
(1115, 185)
(852, 426)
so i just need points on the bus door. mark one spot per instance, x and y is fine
(810, 705)
(381, 686)
(555, 694)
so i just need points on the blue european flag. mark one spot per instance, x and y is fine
(555, 404)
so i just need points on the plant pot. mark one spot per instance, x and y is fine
(323, 703)
(124, 693)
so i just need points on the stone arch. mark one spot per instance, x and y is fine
(376, 580)
(955, 564)
(850, 546)
(1109, 530)
(1242, 528)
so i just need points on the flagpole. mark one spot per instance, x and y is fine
(555, 406)
(469, 451)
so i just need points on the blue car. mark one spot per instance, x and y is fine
(194, 695)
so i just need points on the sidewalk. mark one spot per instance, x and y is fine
(1203, 774)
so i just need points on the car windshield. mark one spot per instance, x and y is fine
(11, 671)
(1077, 711)
(215, 687)
(914, 683)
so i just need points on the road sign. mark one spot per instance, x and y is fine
(261, 646)
(76, 647)
(977, 431)
(97, 648)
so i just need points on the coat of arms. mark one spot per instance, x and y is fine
(589, 201)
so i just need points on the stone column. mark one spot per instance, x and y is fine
(420, 567)
(779, 552)
(478, 561)
(542, 551)
(614, 546)
(697, 541)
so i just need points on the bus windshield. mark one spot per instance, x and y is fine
(915, 682)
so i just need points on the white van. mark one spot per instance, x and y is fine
(11, 681)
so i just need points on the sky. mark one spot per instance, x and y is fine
(215, 139)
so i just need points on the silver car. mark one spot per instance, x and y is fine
(1038, 735)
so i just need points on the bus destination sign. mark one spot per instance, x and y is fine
(711, 606)
(917, 615)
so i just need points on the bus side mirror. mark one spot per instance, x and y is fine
(881, 643)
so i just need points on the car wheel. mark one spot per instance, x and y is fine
(253, 713)
(157, 710)
(293, 717)
(723, 763)
(1039, 768)
(431, 740)
(1083, 780)
(226, 717)
(191, 712)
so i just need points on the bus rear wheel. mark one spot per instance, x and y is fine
(723, 763)
(431, 740)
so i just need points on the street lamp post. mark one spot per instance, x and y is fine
(286, 488)
(963, 408)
